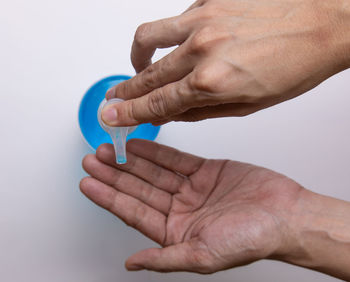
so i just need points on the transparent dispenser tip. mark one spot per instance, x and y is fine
(118, 134)
(119, 141)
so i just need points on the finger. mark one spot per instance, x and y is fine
(171, 68)
(128, 184)
(159, 34)
(154, 174)
(188, 256)
(225, 110)
(169, 158)
(171, 99)
(148, 221)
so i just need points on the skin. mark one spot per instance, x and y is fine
(211, 215)
(233, 58)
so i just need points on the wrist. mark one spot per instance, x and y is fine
(319, 235)
(340, 28)
(330, 34)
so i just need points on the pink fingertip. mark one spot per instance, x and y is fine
(110, 93)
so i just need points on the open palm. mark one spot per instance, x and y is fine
(208, 215)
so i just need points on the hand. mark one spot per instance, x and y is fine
(208, 215)
(234, 58)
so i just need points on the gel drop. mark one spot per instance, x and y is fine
(118, 134)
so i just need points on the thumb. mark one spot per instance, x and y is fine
(188, 256)
(172, 99)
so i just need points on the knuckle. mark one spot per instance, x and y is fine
(140, 213)
(212, 77)
(157, 104)
(141, 34)
(118, 179)
(206, 79)
(149, 77)
(131, 110)
(206, 13)
(202, 40)
(147, 194)
(207, 38)
(203, 263)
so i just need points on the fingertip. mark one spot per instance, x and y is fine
(84, 184)
(104, 149)
(98, 192)
(87, 160)
(138, 261)
(110, 93)
(132, 266)
(106, 154)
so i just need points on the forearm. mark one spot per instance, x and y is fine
(321, 233)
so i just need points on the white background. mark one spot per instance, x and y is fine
(50, 53)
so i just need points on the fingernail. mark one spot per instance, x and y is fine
(109, 115)
(110, 93)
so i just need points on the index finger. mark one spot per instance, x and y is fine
(171, 99)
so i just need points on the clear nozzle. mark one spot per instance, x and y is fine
(118, 134)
